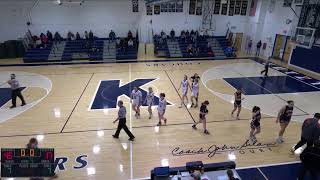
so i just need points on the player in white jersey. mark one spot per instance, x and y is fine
(162, 109)
(136, 100)
(149, 101)
(185, 86)
(195, 92)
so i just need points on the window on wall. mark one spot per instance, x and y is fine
(172, 7)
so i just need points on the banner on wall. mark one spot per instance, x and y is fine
(192, 6)
(253, 7)
(149, 10)
(224, 9)
(244, 7)
(199, 7)
(135, 5)
(237, 7)
(179, 6)
(231, 7)
(156, 9)
(217, 7)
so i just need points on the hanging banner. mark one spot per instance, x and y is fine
(135, 5)
(244, 7)
(231, 7)
(192, 6)
(179, 6)
(217, 7)
(253, 7)
(149, 10)
(224, 9)
(199, 7)
(237, 7)
(156, 9)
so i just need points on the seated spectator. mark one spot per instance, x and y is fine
(86, 35)
(70, 36)
(196, 176)
(78, 36)
(44, 40)
(164, 37)
(230, 175)
(90, 35)
(190, 50)
(49, 36)
(187, 34)
(130, 43)
(162, 33)
(192, 33)
(172, 34)
(112, 35)
(130, 35)
(197, 33)
(183, 33)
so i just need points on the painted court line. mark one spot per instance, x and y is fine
(262, 173)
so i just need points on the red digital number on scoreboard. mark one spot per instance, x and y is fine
(8, 155)
(49, 155)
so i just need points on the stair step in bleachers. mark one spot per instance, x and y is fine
(109, 50)
(174, 48)
(37, 54)
(57, 51)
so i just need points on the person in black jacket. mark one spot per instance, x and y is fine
(308, 131)
(259, 44)
(310, 159)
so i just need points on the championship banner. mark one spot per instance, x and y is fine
(237, 7)
(149, 10)
(179, 6)
(199, 7)
(231, 7)
(244, 7)
(224, 9)
(192, 6)
(156, 9)
(135, 5)
(217, 7)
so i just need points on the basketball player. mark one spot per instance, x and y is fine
(237, 103)
(162, 109)
(266, 69)
(255, 123)
(149, 101)
(284, 118)
(136, 100)
(185, 86)
(202, 117)
(15, 91)
(122, 122)
(195, 93)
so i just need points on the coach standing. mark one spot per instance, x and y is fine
(15, 91)
(122, 122)
(308, 132)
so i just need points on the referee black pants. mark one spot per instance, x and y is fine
(302, 142)
(122, 125)
(14, 94)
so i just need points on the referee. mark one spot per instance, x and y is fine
(122, 122)
(16, 91)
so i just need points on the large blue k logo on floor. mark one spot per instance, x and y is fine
(109, 91)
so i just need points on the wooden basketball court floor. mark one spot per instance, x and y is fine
(59, 115)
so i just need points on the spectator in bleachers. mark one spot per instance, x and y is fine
(70, 36)
(49, 36)
(57, 38)
(187, 34)
(196, 175)
(86, 35)
(197, 33)
(190, 50)
(130, 35)
(130, 43)
(44, 40)
(231, 175)
(78, 36)
(259, 44)
(183, 36)
(162, 33)
(112, 35)
(172, 34)
(192, 32)
(90, 35)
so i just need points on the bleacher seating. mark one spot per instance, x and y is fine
(79, 50)
(217, 44)
(37, 54)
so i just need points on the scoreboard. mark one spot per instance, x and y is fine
(24, 162)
